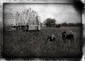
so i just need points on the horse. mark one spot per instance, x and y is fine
(67, 36)
(51, 37)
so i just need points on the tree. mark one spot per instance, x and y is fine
(64, 24)
(50, 22)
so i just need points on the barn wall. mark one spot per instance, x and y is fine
(34, 27)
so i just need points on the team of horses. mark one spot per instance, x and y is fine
(65, 36)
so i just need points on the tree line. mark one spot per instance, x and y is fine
(52, 23)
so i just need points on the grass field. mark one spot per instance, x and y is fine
(35, 43)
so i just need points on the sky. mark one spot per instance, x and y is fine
(1, 1)
(60, 12)
(64, 1)
(59, 1)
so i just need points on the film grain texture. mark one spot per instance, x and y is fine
(31, 30)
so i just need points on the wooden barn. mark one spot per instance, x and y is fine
(28, 17)
(20, 19)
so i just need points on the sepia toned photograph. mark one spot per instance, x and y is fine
(41, 31)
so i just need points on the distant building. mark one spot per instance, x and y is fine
(26, 17)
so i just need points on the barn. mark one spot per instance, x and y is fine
(34, 27)
(30, 18)
(21, 19)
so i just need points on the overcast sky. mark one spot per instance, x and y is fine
(60, 12)
(1, 1)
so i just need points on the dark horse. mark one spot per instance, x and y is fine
(66, 36)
